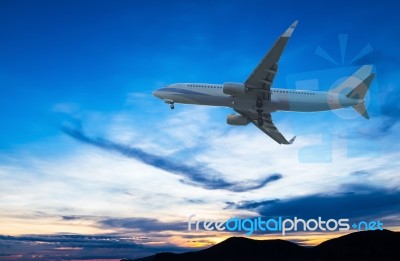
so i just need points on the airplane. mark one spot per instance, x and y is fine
(254, 100)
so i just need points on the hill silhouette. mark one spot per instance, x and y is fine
(364, 245)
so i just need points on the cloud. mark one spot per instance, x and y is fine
(354, 201)
(196, 175)
(142, 224)
(361, 173)
(63, 247)
(75, 240)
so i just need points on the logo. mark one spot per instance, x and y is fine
(280, 224)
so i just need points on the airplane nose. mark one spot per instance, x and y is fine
(156, 94)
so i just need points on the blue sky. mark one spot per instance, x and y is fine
(85, 149)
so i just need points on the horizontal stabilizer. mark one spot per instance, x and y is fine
(360, 108)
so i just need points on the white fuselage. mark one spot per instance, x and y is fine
(254, 99)
(281, 99)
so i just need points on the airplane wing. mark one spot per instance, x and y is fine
(264, 74)
(268, 127)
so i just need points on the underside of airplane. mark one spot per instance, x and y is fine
(254, 100)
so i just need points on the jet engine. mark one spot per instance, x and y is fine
(233, 88)
(237, 120)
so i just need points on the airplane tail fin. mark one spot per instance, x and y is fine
(361, 89)
(359, 93)
(354, 80)
(358, 83)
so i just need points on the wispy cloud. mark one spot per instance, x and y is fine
(64, 246)
(196, 175)
(352, 201)
(146, 225)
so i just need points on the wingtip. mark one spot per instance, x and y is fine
(290, 30)
(292, 140)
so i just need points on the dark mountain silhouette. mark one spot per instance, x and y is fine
(364, 245)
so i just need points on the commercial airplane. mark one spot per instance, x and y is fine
(255, 100)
